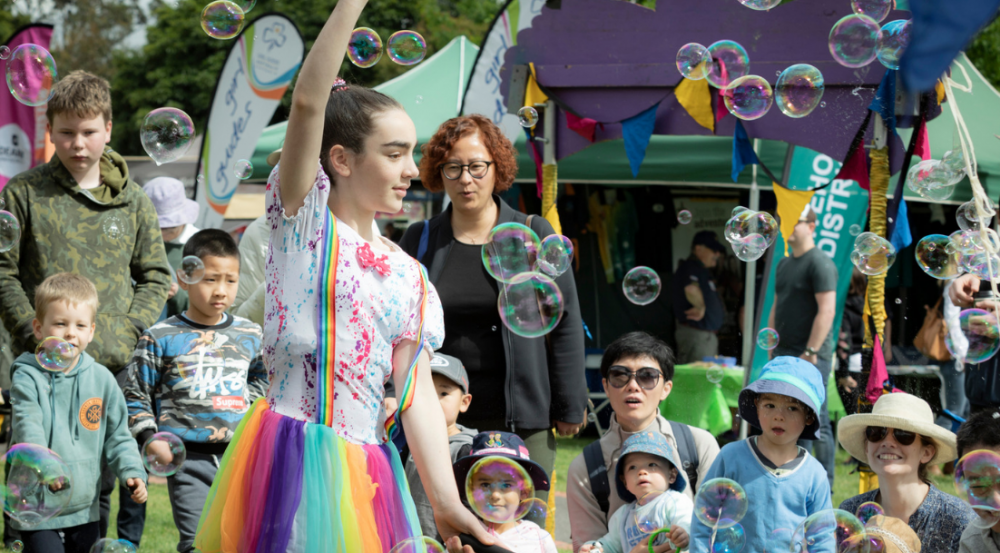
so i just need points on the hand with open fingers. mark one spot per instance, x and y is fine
(962, 288)
(138, 488)
(455, 519)
(679, 537)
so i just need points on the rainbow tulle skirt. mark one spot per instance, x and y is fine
(286, 485)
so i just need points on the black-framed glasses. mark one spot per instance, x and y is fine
(646, 377)
(876, 434)
(477, 169)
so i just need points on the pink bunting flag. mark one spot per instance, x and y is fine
(923, 148)
(583, 126)
(856, 168)
(878, 376)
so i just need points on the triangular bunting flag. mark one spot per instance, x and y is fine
(636, 132)
(856, 168)
(791, 205)
(743, 153)
(720, 107)
(923, 148)
(533, 95)
(901, 236)
(582, 126)
(696, 98)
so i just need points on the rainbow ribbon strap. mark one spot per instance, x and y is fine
(393, 424)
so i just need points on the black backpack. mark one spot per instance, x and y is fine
(600, 485)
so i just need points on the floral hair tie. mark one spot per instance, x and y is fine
(339, 85)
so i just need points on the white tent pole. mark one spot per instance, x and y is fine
(549, 151)
(749, 291)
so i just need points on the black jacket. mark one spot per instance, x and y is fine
(542, 384)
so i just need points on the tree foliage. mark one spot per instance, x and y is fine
(10, 21)
(180, 63)
(984, 52)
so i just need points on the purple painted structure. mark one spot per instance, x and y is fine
(610, 60)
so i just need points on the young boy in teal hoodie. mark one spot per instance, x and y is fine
(79, 413)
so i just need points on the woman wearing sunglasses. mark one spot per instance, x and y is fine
(522, 385)
(899, 441)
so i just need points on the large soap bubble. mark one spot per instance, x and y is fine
(364, 48)
(531, 304)
(936, 258)
(163, 453)
(967, 215)
(799, 90)
(746, 222)
(893, 38)
(192, 270)
(749, 97)
(222, 19)
(38, 485)
(750, 248)
(954, 161)
(166, 134)
(853, 40)
(720, 503)
(872, 255)
(55, 354)
(407, 47)
(496, 486)
(693, 61)
(641, 286)
(510, 249)
(729, 62)
(730, 539)
(982, 332)
(31, 74)
(984, 265)
(768, 338)
(977, 477)
(832, 530)
(10, 231)
(555, 255)
(932, 180)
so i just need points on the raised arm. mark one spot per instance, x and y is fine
(304, 134)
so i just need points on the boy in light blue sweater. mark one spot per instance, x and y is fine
(784, 483)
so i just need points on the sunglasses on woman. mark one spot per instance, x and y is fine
(876, 434)
(646, 377)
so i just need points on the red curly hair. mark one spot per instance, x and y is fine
(451, 131)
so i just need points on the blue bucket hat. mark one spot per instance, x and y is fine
(652, 443)
(786, 376)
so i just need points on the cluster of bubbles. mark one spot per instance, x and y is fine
(38, 485)
(721, 504)
(750, 233)
(192, 270)
(166, 134)
(223, 19)
(980, 336)
(936, 179)
(856, 40)
(527, 117)
(768, 338)
(977, 477)
(530, 303)
(109, 545)
(492, 477)
(405, 47)
(163, 453)
(641, 285)
(243, 169)
(31, 74)
(420, 544)
(872, 254)
(55, 354)
(10, 230)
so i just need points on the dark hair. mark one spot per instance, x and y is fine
(922, 469)
(639, 344)
(212, 242)
(983, 429)
(348, 120)
(451, 131)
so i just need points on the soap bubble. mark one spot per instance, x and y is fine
(653, 512)
(954, 161)
(872, 255)
(243, 169)
(750, 248)
(831, 530)
(166, 134)
(761, 5)
(510, 249)
(967, 215)
(875, 9)
(693, 61)
(18, 545)
(799, 90)
(527, 116)
(38, 485)
(932, 180)
(853, 40)
(10, 231)
(192, 270)
(407, 47)
(163, 453)
(31, 74)
(715, 374)
(729, 62)
(532, 508)
(684, 217)
(420, 544)
(55, 354)
(364, 48)
(893, 39)
(855, 229)
(768, 338)
(495, 488)
(867, 510)
(983, 265)
(555, 255)
(780, 541)
(730, 539)
(720, 502)
(977, 477)
(530, 304)
(4, 52)
(899, 301)
(246, 5)
(746, 222)
(934, 258)
(748, 97)
(108, 545)
(222, 19)
(981, 330)
(641, 285)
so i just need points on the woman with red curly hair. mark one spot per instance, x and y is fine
(518, 384)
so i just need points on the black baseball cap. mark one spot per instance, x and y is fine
(708, 239)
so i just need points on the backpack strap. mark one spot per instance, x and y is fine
(597, 471)
(527, 222)
(424, 238)
(688, 452)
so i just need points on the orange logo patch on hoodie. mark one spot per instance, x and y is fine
(90, 413)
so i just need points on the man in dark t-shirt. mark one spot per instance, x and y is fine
(697, 305)
(805, 303)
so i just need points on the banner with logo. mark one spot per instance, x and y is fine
(482, 95)
(837, 207)
(260, 66)
(22, 128)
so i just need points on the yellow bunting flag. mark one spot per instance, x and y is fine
(533, 94)
(696, 98)
(791, 205)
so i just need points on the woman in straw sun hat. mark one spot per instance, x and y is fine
(899, 440)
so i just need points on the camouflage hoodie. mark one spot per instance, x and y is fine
(66, 229)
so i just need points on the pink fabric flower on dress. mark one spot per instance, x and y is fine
(367, 260)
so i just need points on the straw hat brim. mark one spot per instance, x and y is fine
(851, 434)
(274, 157)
